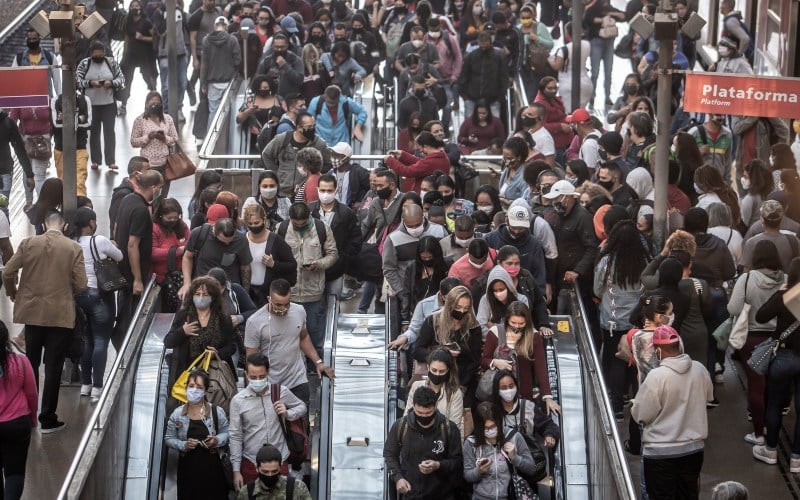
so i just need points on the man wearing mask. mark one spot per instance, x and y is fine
(610, 177)
(200, 24)
(270, 482)
(221, 56)
(417, 45)
(254, 418)
(136, 165)
(314, 249)
(533, 120)
(295, 103)
(516, 232)
(283, 65)
(280, 155)
(582, 125)
(577, 246)
(400, 253)
(715, 141)
(455, 246)
(423, 450)
(352, 180)
(35, 55)
(419, 100)
(508, 39)
(610, 150)
(220, 245)
(484, 74)
(641, 137)
(360, 33)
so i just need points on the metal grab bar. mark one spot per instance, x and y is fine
(18, 21)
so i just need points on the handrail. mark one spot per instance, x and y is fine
(396, 113)
(354, 157)
(214, 133)
(521, 94)
(94, 424)
(19, 20)
(392, 382)
(321, 481)
(622, 473)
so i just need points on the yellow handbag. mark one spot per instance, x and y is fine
(179, 389)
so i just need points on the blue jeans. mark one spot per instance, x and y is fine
(783, 373)
(315, 323)
(6, 189)
(602, 49)
(183, 81)
(367, 294)
(97, 307)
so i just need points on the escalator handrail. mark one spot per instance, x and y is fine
(622, 474)
(321, 483)
(94, 424)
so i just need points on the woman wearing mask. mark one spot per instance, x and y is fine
(487, 201)
(255, 111)
(514, 345)
(138, 52)
(272, 256)
(576, 172)
(317, 38)
(711, 187)
(407, 137)
(265, 25)
(556, 115)
(207, 198)
(275, 206)
(617, 283)
(491, 455)
(472, 20)
(315, 77)
(170, 234)
(209, 178)
(407, 165)
(443, 380)
(200, 326)
(453, 207)
(429, 270)
(478, 131)
(757, 182)
(730, 59)
(154, 132)
(20, 403)
(512, 183)
(631, 89)
(454, 328)
(537, 44)
(197, 430)
(755, 288)
(500, 293)
(521, 414)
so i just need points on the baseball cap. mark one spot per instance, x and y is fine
(665, 335)
(488, 27)
(216, 212)
(342, 148)
(518, 216)
(561, 188)
(289, 25)
(221, 20)
(580, 115)
(247, 23)
(772, 210)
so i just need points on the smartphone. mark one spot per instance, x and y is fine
(481, 461)
(190, 318)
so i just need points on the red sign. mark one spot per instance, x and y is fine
(24, 87)
(744, 95)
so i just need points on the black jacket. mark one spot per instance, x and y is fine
(410, 104)
(359, 184)
(10, 137)
(713, 256)
(124, 189)
(347, 234)
(577, 246)
(775, 307)
(484, 75)
(418, 444)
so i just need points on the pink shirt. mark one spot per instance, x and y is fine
(153, 149)
(466, 272)
(161, 245)
(18, 395)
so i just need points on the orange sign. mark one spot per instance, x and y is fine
(743, 95)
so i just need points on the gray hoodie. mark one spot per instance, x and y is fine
(494, 485)
(616, 302)
(484, 311)
(760, 287)
(221, 56)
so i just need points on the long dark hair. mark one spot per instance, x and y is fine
(486, 411)
(207, 178)
(688, 153)
(147, 111)
(5, 348)
(443, 355)
(51, 197)
(169, 205)
(431, 245)
(710, 180)
(761, 182)
(481, 103)
(497, 309)
(627, 257)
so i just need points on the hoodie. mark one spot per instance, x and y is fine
(531, 252)
(124, 189)
(484, 311)
(671, 404)
(756, 290)
(641, 183)
(10, 137)
(711, 253)
(494, 485)
(221, 56)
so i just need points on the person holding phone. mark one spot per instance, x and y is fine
(197, 433)
(154, 132)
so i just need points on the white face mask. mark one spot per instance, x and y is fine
(258, 385)
(195, 394)
(301, 171)
(698, 189)
(477, 10)
(473, 264)
(269, 193)
(464, 243)
(508, 394)
(422, 194)
(417, 43)
(501, 296)
(327, 198)
(435, 34)
(415, 232)
(670, 319)
(490, 433)
(487, 209)
(724, 51)
(745, 182)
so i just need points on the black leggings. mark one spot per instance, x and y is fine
(15, 436)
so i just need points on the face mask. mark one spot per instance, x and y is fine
(263, 93)
(473, 264)
(417, 43)
(33, 45)
(698, 189)
(384, 193)
(528, 121)
(279, 311)
(508, 395)
(415, 232)
(136, 12)
(724, 51)
(427, 262)
(422, 194)
(490, 433)
(477, 10)
(358, 31)
(338, 163)
(526, 22)
(256, 229)
(156, 108)
(458, 5)
(435, 34)
(258, 385)
(425, 421)
(606, 184)
(98, 59)
(670, 319)
(269, 481)
(269, 193)
(195, 394)
(572, 180)
(309, 133)
(326, 23)
(327, 198)
(549, 94)
(745, 182)
(631, 89)
(487, 209)
(559, 208)
(516, 329)
(603, 154)
(437, 379)
(301, 170)
(263, 22)
(299, 229)
(464, 243)
(448, 199)
(457, 315)
(202, 302)
(171, 224)
(420, 93)
(501, 296)
(512, 271)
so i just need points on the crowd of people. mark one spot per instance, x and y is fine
(472, 275)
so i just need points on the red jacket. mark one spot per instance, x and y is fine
(161, 246)
(527, 368)
(556, 115)
(417, 168)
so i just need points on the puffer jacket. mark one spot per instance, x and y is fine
(281, 157)
(306, 248)
(756, 290)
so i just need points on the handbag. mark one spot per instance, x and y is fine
(484, 390)
(609, 28)
(518, 487)
(294, 431)
(221, 383)
(624, 48)
(109, 277)
(738, 334)
(38, 148)
(173, 281)
(223, 452)
(722, 334)
(179, 387)
(178, 164)
(764, 353)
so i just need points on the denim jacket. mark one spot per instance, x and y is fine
(178, 425)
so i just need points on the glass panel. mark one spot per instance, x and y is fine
(775, 6)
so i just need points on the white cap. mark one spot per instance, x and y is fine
(518, 216)
(561, 188)
(221, 20)
(342, 148)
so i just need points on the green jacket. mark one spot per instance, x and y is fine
(277, 493)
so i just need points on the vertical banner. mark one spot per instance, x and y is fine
(744, 95)
(24, 87)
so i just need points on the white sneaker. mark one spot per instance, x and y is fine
(86, 389)
(753, 439)
(761, 452)
(96, 392)
(794, 465)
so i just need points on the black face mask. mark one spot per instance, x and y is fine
(427, 262)
(136, 12)
(263, 93)
(436, 379)
(156, 108)
(457, 315)
(278, 53)
(425, 421)
(171, 224)
(308, 133)
(606, 184)
(560, 208)
(269, 481)
(448, 199)
(528, 121)
(384, 193)
(603, 154)
(401, 10)
(33, 45)
(420, 93)
(316, 39)
(548, 94)
(631, 89)
(98, 59)
(299, 229)
(358, 31)
(257, 229)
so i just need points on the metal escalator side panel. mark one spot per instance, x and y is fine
(320, 444)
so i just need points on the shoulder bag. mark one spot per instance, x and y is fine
(38, 148)
(109, 277)
(519, 488)
(221, 383)
(609, 28)
(764, 353)
(738, 334)
(173, 281)
(178, 164)
(486, 382)
(294, 431)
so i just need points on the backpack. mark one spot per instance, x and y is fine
(251, 488)
(318, 224)
(345, 108)
(738, 16)
(403, 427)
(202, 237)
(295, 432)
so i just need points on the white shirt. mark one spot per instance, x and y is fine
(342, 186)
(590, 149)
(257, 269)
(103, 248)
(544, 142)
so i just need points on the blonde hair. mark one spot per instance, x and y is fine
(308, 50)
(444, 324)
(524, 345)
(680, 240)
(254, 210)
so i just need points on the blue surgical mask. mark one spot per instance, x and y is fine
(202, 302)
(195, 394)
(259, 384)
